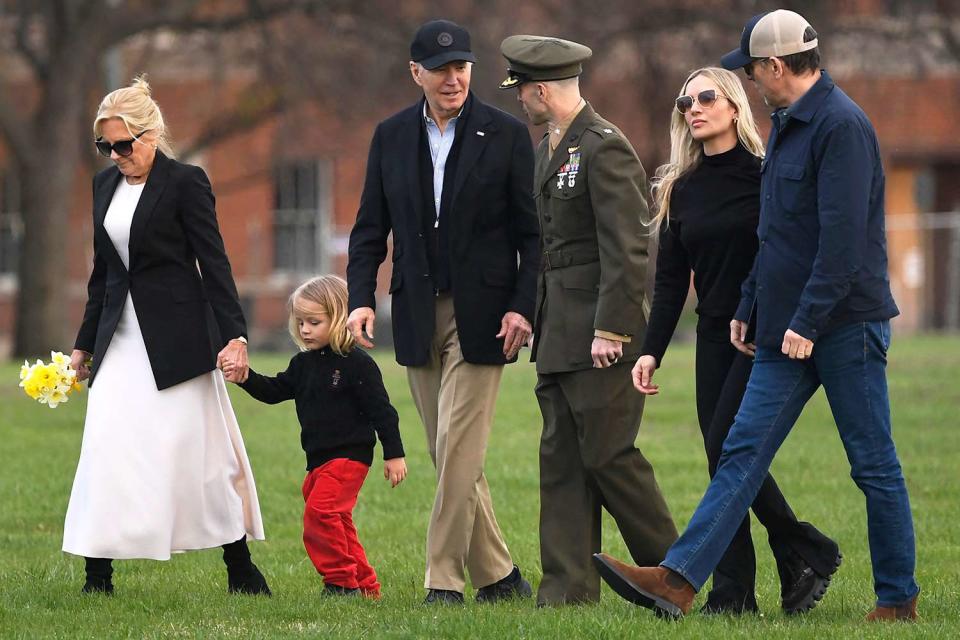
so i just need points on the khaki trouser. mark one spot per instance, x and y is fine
(456, 401)
(588, 460)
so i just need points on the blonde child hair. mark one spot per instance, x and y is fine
(330, 292)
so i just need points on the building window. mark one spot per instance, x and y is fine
(301, 218)
(11, 224)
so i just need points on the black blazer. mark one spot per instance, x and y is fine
(186, 315)
(493, 233)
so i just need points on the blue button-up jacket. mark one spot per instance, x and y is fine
(822, 261)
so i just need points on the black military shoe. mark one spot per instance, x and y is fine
(247, 580)
(337, 590)
(442, 596)
(801, 588)
(513, 586)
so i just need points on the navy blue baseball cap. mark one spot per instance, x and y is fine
(440, 41)
(771, 35)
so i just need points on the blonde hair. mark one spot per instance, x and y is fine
(686, 152)
(330, 292)
(138, 111)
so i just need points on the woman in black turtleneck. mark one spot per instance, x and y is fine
(708, 205)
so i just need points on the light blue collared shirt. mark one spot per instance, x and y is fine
(440, 145)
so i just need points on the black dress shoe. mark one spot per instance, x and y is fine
(443, 596)
(801, 588)
(247, 580)
(513, 586)
(337, 590)
(98, 585)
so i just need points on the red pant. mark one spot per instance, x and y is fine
(330, 492)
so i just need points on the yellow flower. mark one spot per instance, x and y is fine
(55, 398)
(50, 383)
(31, 389)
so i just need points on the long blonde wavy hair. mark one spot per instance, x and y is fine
(139, 112)
(330, 293)
(686, 152)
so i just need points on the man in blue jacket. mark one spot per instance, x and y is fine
(820, 294)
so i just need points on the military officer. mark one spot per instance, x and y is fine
(590, 192)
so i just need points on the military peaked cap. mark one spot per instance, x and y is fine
(540, 58)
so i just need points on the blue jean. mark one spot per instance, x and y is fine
(850, 363)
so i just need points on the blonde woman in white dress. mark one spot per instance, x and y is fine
(162, 467)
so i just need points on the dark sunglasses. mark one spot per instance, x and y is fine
(705, 99)
(123, 147)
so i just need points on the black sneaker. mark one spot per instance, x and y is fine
(248, 581)
(443, 596)
(801, 588)
(337, 590)
(513, 586)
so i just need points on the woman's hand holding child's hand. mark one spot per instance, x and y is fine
(395, 470)
(231, 373)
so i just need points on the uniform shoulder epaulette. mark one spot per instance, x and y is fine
(602, 129)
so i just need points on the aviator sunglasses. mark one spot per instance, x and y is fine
(705, 99)
(123, 147)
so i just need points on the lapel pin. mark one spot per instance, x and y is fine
(481, 133)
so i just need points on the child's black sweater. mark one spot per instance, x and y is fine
(341, 402)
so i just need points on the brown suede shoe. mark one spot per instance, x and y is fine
(904, 612)
(657, 588)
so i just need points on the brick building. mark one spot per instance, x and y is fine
(287, 191)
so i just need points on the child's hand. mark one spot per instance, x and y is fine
(395, 470)
(231, 373)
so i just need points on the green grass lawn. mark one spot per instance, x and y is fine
(186, 597)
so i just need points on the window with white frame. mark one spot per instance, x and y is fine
(301, 217)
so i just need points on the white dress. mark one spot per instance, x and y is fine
(160, 471)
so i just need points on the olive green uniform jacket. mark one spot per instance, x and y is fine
(593, 210)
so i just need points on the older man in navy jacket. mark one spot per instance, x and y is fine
(452, 179)
(820, 294)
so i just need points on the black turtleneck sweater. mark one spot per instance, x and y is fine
(712, 230)
(341, 402)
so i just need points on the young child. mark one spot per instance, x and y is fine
(342, 407)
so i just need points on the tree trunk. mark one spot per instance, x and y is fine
(47, 180)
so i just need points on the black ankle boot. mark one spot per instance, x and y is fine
(99, 576)
(242, 575)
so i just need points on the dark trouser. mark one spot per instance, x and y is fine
(722, 375)
(850, 363)
(587, 461)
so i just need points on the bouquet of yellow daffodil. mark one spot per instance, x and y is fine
(52, 383)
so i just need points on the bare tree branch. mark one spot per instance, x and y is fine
(180, 16)
(254, 106)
